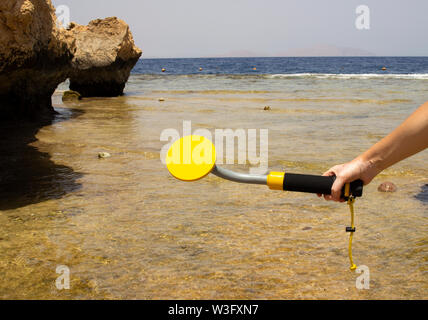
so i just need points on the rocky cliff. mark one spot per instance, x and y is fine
(36, 55)
(34, 59)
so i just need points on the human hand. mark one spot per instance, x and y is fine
(348, 172)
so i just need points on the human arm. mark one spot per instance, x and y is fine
(406, 140)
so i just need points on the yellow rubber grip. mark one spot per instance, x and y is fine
(347, 190)
(275, 180)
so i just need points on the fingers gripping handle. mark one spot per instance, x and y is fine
(318, 184)
(310, 183)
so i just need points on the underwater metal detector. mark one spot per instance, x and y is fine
(193, 157)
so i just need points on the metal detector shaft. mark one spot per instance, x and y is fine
(239, 177)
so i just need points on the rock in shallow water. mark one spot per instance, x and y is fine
(103, 155)
(387, 187)
(71, 95)
(36, 56)
(105, 55)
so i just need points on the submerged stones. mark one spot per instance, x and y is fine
(104, 155)
(387, 187)
(423, 195)
(71, 95)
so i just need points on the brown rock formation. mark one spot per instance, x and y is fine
(105, 55)
(33, 57)
(36, 56)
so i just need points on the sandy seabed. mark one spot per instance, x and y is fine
(126, 229)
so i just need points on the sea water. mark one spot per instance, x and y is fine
(126, 229)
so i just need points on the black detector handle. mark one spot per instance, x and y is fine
(318, 184)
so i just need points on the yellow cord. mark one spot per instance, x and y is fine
(351, 201)
(351, 230)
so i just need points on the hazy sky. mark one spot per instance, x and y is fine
(193, 28)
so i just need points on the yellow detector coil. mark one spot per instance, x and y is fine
(191, 158)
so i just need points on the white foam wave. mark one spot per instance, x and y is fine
(415, 76)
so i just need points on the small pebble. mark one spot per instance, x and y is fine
(267, 108)
(387, 187)
(307, 228)
(161, 99)
(103, 155)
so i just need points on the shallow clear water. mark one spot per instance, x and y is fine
(127, 229)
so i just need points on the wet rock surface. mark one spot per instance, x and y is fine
(387, 187)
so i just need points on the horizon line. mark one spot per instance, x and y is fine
(239, 57)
